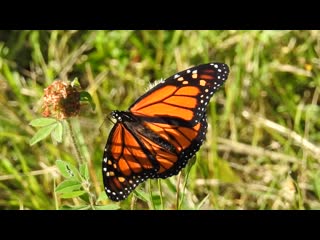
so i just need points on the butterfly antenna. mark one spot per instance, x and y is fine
(107, 117)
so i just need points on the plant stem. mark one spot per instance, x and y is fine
(160, 190)
(188, 169)
(178, 191)
(150, 194)
(86, 185)
(133, 202)
(74, 142)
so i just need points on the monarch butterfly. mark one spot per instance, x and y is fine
(161, 130)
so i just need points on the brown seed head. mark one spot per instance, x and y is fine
(61, 100)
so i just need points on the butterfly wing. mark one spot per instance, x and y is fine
(175, 145)
(156, 150)
(167, 127)
(175, 110)
(183, 96)
(126, 163)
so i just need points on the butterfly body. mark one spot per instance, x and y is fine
(161, 131)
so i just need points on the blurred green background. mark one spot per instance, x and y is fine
(262, 149)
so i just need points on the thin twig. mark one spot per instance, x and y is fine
(292, 69)
(299, 140)
(254, 186)
(236, 147)
(74, 57)
(33, 173)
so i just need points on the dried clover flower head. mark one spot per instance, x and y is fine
(61, 100)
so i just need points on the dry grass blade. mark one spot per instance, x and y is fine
(53, 170)
(241, 148)
(299, 140)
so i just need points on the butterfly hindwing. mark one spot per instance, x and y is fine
(190, 140)
(125, 163)
(157, 150)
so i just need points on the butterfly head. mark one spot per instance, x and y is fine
(123, 116)
(117, 115)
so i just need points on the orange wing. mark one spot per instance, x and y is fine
(125, 163)
(184, 95)
(137, 152)
(161, 131)
(174, 146)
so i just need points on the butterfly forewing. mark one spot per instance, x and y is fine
(184, 95)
